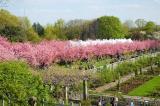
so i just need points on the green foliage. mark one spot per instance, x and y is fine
(19, 29)
(150, 27)
(16, 34)
(59, 29)
(135, 66)
(146, 88)
(157, 28)
(50, 32)
(108, 75)
(155, 93)
(32, 35)
(55, 31)
(28, 30)
(10, 27)
(38, 28)
(18, 84)
(143, 61)
(24, 23)
(157, 59)
(16, 28)
(109, 27)
(86, 103)
(126, 31)
(6, 19)
(144, 30)
(124, 68)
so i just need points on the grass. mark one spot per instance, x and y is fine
(131, 84)
(146, 88)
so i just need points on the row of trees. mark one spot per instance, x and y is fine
(141, 29)
(106, 27)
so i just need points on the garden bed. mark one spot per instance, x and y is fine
(137, 81)
(147, 88)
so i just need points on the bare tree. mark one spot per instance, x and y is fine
(140, 23)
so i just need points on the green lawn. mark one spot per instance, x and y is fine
(146, 88)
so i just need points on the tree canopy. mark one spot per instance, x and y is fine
(38, 28)
(55, 31)
(20, 29)
(109, 27)
(150, 27)
(15, 28)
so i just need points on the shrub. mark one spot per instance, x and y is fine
(18, 84)
(124, 68)
(86, 103)
(158, 60)
(108, 75)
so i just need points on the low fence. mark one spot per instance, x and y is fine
(95, 99)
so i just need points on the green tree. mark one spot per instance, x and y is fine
(150, 27)
(109, 27)
(18, 84)
(10, 27)
(50, 32)
(55, 31)
(28, 30)
(157, 28)
(59, 29)
(126, 30)
(24, 23)
(16, 28)
(32, 35)
(38, 28)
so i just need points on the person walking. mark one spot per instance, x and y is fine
(100, 103)
(116, 101)
(112, 102)
(132, 104)
(103, 102)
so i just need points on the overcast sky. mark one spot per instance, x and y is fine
(48, 11)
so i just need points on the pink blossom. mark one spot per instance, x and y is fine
(48, 52)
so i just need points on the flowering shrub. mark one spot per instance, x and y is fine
(47, 52)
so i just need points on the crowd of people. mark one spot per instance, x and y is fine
(115, 102)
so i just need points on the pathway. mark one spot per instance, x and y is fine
(123, 79)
